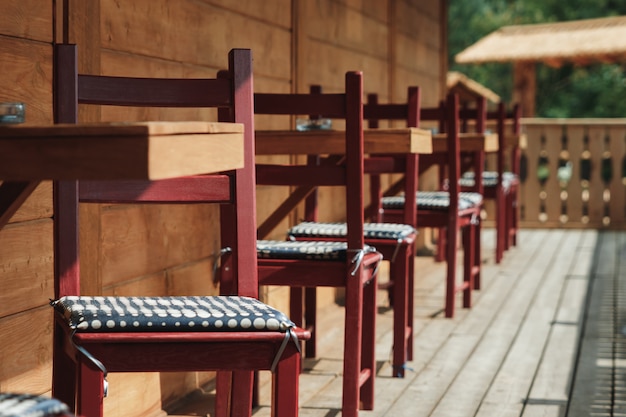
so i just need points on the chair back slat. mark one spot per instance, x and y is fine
(330, 105)
(347, 106)
(373, 113)
(153, 92)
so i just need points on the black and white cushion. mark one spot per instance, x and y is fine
(302, 249)
(28, 405)
(170, 314)
(434, 200)
(392, 231)
(490, 179)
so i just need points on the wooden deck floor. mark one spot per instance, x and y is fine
(546, 337)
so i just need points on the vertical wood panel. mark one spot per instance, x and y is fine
(618, 186)
(28, 66)
(27, 19)
(596, 135)
(26, 266)
(26, 354)
(574, 189)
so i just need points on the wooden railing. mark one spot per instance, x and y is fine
(574, 173)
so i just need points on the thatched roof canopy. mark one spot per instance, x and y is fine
(468, 89)
(581, 42)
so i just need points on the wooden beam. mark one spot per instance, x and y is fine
(525, 86)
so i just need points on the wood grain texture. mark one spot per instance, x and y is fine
(401, 140)
(27, 69)
(37, 206)
(26, 266)
(27, 354)
(179, 32)
(27, 19)
(119, 151)
(139, 240)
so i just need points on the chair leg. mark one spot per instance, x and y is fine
(63, 373)
(501, 226)
(469, 270)
(223, 387)
(451, 254)
(90, 394)
(411, 301)
(285, 386)
(302, 302)
(310, 319)
(352, 346)
(440, 256)
(368, 343)
(241, 397)
(511, 219)
(477, 261)
(401, 331)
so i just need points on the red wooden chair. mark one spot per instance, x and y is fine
(394, 241)
(500, 185)
(349, 264)
(85, 350)
(512, 175)
(450, 210)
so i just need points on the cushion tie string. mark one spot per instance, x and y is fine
(93, 360)
(396, 250)
(357, 259)
(289, 335)
(218, 261)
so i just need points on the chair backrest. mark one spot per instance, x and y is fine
(477, 117)
(348, 106)
(504, 119)
(447, 115)
(513, 117)
(408, 112)
(232, 93)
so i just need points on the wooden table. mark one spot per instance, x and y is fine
(519, 140)
(401, 141)
(332, 142)
(487, 142)
(151, 150)
(111, 151)
(395, 140)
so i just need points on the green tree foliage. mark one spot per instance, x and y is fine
(570, 91)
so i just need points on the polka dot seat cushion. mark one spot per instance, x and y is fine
(314, 250)
(170, 314)
(490, 179)
(434, 200)
(27, 405)
(391, 231)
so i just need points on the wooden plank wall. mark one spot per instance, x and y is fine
(26, 242)
(166, 249)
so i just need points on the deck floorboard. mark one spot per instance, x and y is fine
(546, 336)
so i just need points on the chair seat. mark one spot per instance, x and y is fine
(303, 249)
(28, 405)
(434, 200)
(391, 231)
(170, 314)
(490, 179)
